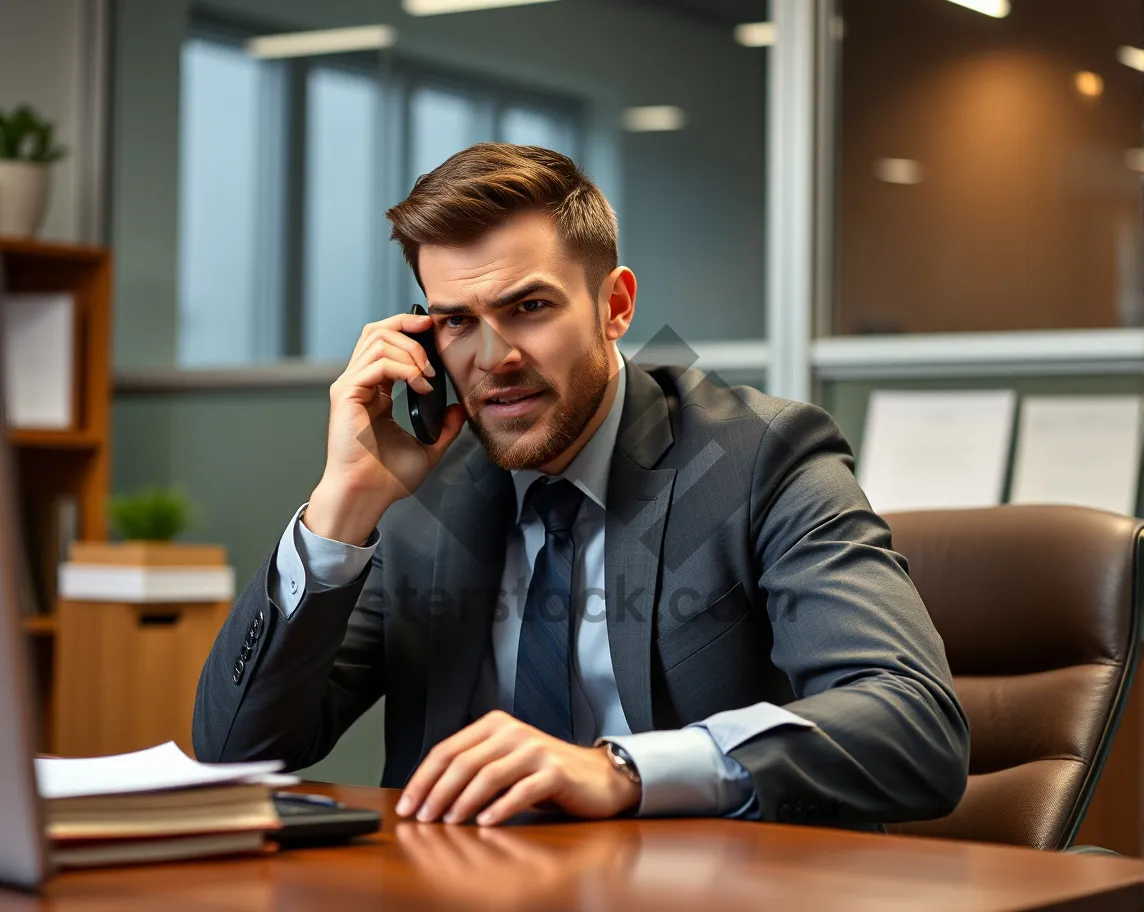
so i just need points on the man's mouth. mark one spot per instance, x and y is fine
(509, 397)
(512, 403)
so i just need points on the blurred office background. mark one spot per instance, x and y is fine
(821, 198)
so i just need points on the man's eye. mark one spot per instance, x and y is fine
(455, 322)
(532, 306)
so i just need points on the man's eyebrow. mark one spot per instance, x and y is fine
(506, 300)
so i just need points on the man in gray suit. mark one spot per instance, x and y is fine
(615, 591)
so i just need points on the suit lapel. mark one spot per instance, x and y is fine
(473, 524)
(638, 499)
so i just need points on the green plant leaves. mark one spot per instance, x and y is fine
(25, 136)
(153, 514)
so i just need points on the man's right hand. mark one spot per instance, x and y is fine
(371, 461)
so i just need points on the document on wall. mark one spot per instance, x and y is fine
(39, 362)
(936, 450)
(1081, 450)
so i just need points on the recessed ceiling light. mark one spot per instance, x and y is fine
(998, 9)
(654, 119)
(755, 34)
(438, 7)
(327, 41)
(899, 171)
(1088, 84)
(1132, 57)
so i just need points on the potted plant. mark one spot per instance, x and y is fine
(27, 150)
(149, 515)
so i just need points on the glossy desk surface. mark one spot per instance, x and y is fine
(627, 864)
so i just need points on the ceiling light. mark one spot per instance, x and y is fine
(905, 171)
(437, 7)
(998, 9)
(654, 119)
(1088, 84)
(1131, 56)
(327, 41)
(755, 34)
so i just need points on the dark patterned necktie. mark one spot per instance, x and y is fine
(543, 695)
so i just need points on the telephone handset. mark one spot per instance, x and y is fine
(427, 410)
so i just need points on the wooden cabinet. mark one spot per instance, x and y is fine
(74, 461)
(128, 672)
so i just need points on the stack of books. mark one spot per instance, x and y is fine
(155, 805)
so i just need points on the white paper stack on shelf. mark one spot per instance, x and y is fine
(39, 363)
(154, 805)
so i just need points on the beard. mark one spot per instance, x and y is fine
(511, 445)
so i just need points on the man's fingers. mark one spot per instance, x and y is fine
(384, 372)
(493, 778)
(527, 793)
(466, 767)
(404, 322)
(395, 345)
(438, 761)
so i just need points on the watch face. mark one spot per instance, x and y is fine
(623, 761)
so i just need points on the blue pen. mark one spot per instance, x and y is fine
(310, 799)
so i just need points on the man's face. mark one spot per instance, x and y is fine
(521, 337)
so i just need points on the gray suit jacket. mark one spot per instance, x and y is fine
(743, 564)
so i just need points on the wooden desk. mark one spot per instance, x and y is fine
(622, 865)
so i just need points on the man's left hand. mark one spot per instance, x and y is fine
(500, 754)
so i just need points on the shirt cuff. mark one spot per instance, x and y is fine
(690, 772)
(307, 562)
(684, 774)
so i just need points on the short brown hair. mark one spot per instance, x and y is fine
(479, 188)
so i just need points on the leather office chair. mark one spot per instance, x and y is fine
(1039, 608)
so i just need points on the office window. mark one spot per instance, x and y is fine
(228, 207)
(441, 123)
(292, 156)
(530, 127)
(343, 221)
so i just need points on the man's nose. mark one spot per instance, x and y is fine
(493, 350)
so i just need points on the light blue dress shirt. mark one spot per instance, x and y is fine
(684, 772)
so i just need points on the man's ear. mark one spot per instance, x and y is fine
(617, 302)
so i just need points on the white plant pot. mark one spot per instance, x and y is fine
(23, 197)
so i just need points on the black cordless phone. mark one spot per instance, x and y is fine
(427, 410)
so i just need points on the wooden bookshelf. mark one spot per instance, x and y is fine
(72, 462)
(40, 625)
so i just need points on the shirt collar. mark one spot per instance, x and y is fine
(590, 468)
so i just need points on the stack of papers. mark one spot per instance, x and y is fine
(155, 805)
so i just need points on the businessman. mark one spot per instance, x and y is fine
(605, 589)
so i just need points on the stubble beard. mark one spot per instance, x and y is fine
(510, 446)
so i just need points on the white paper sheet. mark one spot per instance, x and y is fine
(153, 769)
(1082, 450)
(938, 450)
(39, 372)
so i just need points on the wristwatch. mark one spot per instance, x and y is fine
(621, 760)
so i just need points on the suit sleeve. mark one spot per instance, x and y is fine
(306, 677)
(866, 665)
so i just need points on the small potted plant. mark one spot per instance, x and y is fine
(149, 515)
(27, 150)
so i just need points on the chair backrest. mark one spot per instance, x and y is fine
(1039, 609)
